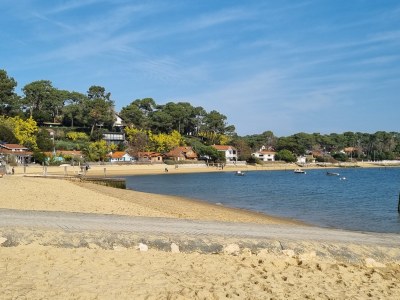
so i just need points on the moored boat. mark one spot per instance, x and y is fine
(299, 171)
(239, 173)
(332, 174)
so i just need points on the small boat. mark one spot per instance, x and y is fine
(332, 174)
(239, 173)
(299, 171)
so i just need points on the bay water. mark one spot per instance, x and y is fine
(361, 199)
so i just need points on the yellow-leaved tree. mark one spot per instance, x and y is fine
(144, 140)
(97, 151)
(224, 139)
(76, 136)
(21, 131)
(138, 140)
(163, 142)
(215, 138)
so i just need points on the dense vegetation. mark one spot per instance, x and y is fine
(363, 146)
(82, 119)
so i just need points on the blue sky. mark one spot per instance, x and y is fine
(285, 66)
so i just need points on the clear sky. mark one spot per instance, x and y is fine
(285, 66)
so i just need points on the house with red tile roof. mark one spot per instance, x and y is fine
(120, 156)
(182, 153)
(150, 157)
(264, 155)
(21, 153)
(230, 152)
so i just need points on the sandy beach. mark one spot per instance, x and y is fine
(115, 170)
(70, 264)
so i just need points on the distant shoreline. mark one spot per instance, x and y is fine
(115, 170)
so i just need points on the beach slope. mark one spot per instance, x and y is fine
(73, 262)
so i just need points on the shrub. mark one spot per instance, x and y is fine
(254, 160)
(77, 136)
(340, 156)
(39, 157)
(286, 156)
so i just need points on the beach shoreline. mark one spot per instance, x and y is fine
(118, 170)
(58, 194)
(71, 263)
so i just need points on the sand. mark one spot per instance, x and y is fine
(115, 170)
(31, 193)
(45, 264)
(42, 272)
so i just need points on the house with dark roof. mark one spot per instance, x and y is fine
(182, 153)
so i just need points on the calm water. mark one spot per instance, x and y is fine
(365, 201)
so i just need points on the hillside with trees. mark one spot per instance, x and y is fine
(45, 118)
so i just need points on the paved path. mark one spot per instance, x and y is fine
(80, 222)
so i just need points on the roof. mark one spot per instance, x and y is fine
(183, 151)
(8, 151)
(267, 152)
(317, 153)
(13, 147)
(149, 154)
(223, 147)
(118, 154)
(351, 149)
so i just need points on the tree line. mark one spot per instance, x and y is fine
(159, 127)
(47, 104)
(380, 145)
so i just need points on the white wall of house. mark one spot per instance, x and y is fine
(231, 154)
(301, 159)
(118, 121)
(125, 157)
(264, 155)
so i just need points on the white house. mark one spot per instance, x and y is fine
(119, 122)
(21, 153)
(114, 137)
(303, 159)
(229, 151)
(120, 156)
(264, 155)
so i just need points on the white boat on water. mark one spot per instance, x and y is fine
(239, 173)
(299, 171)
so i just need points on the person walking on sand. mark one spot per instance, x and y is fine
(12, 170)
